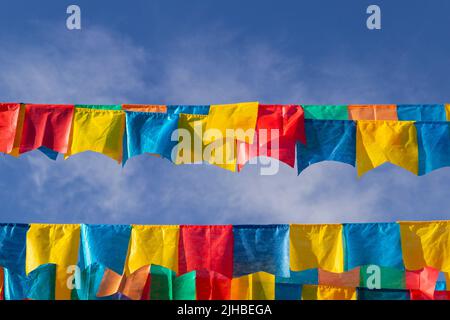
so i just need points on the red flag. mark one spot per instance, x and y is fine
(206, 248)
(212, 286)
(422, 283)
(278, 128)
(48, 126)
(9, 115)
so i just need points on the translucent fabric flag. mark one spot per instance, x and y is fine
(9, 116)
(18, 135)
(212, 285)
(316, 246)
(328, 140)
(447, 111)
(378, 142)
(434, 145)
(166, 286)
(344, 279)
(372, 112)
(421, 112)
(261, 248)
(376, 277)
(13, 246)
(132, 286)
(326, 112)
(104, 244)
(145, 108)
(188, 109)
(321, 292)
(372, 243)
(423, 282)
(256, 286)
(426, 244)
(206, 248)
(278, 128)
(99, 106)
(150, 133)
(88, 282)
(240, 117)
(193, 147)
(383, 294)
(153, 245)
(97, 130)
(48, 126)
(38, 285)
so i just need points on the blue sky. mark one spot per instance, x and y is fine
(201, 52)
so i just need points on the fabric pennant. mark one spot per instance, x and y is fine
(9, 118)
(256, 286)
(373, 112)
(434, 145)
(145, 108)
(326, 112)
(421, 112)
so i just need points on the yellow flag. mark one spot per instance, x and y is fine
(52, 243)
(316, 246)
(321, 292)
(153, 245)
(240, 117)
(378, 142)
(62, 281)
(426, 244)
(18, 137)
(194, 148)
(97, 130)
(447, 110)
(256, 286)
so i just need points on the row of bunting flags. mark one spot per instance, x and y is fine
(415, 137)
(404, 260)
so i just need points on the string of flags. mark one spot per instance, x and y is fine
(414, 137)
(365, 261)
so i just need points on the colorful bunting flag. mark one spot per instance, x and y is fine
(256, 286)
(373, 112)
(9, 117)
(326, 112)
(433, 139)
(421, 112)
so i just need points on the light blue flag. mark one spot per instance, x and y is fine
(372, 244)
(261, 248)
(90, 280)
(327, 140)
(309, 276)
(433, 139)
(148, 132)
(13, 239)
(189, 109)
(39, 285)
(368, 294)
(104, 244)
(421, 112)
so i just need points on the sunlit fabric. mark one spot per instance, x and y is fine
(206, 248)
(165, 285)
(150, 133)
(321, 292)
(421, 112)
(88, 282)
(426, 244)
(316, 246)
(447, 111)
(327, 140)
(278, 128)
(188, 109)
(373, 112)
(326, 112)
(374, 243)
(145, 108)
(344, 279)
(104, 244)
(99, 106)
(433, 139)
(423, 281)
(13, 239)
(378, 142)
(211, 285)
(48, 126)
(256, 286)
(9, 116)
(153, 245)
(382, 294)
(240, 117)
(376, 277)
(261, 248)
(97, 130)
